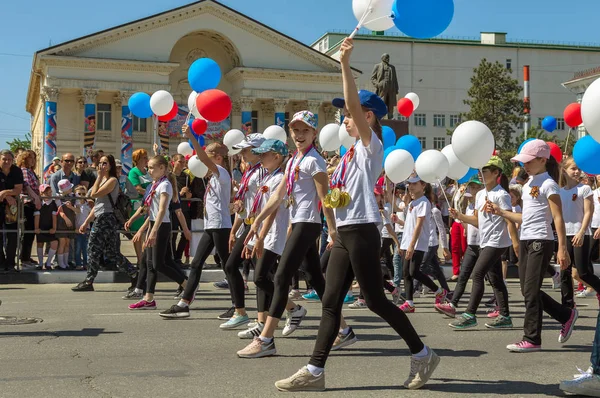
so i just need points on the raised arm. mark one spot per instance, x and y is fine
(199, 151)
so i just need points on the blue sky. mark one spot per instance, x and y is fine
(30, 26)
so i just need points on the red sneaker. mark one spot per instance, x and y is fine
(143, 305)
(407, 308)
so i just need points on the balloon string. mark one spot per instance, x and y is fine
(155, 128)
(444, 192)
(567, 141)
(189, 115)
(368, 11)
(378, 18)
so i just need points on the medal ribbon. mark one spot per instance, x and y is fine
(338, 178)
(241, 193)
(259, 195)
(291, 170)
(152, 192)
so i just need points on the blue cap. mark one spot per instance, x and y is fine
(271, 145)
(369, 100)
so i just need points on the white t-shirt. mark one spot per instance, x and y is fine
(517, 209)
(306, 198)
(493, 230)
(572, 207)
(385, 218)
(84, 212)
(163, 187)
(536, 211)
(362, 174)
(216, 202)
(472, 231)
(401, 216)
(596, 216)
(253, 185)
(417, 208)
(437, 229)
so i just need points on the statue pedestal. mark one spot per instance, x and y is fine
(400, 127)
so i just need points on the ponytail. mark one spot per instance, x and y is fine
(173, 181)
(504, 181)
(377, 129)
(553, 169)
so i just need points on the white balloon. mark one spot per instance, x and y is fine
(161, 102)
(376, 20)
(590, 104)
(432, 166)
(275, 132)
(329, 137)
(233, 137)
(415, 100)
(197, 168)
(473, 143)
(185, 149)
(457, 169)
(399, 165)
(192, 104)
(345, 139)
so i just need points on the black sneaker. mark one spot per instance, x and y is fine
(222, 284)
(176, 312)
(227, 314)
(178, 293)
(83, 287)
(491, 303)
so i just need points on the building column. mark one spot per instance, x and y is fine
(280, 112)
(246, 104)
(126, 131)
(267, 110)
(329, 114)
(236, 116)
(88, 99)
(50, 97)
(315, 107)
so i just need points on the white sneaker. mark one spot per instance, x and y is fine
(252, 331)
(302, 380)
(421, 370)
(293, 320)
(358, 305)
(294, 294)
(556, 280)
(584, 384)
(585, 293)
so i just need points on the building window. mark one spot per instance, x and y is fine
(423, 141)
(509, 64)
(104, 117)
(139, 125)
(420, 120)
(560, 124)
(254, 121)
(540, 120)
(439, 120)
(439, 142)
(454, 120)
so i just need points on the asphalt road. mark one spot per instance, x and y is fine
(90, 345)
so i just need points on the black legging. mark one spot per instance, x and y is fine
(263, 279)
(431, 266)
(385, 252)
(466, 268)
(300, 246)
(158, 258)
(232, 270)
(28, 238)
(413, 271)
(170, 263)
(595, 244)
(580, 257)
(179, 248)
(489, 263)
(211, 238)
(353, 254)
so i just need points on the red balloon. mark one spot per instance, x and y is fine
(171, 115)
(214, 105)
(405, 107)
(555, 151)
(572, 115)
(199, 126)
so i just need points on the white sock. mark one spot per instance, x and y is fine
(422, 354)
(62, 260)
(265, 339)
(345, 331)
(138, 290)
(51, 254)
(182, 304)
(315, 371)
(40, 254)
(411, 303)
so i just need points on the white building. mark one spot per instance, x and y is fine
(439, 71)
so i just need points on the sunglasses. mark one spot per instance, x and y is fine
(69, 160)
(81, 162)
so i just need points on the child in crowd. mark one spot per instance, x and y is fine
(45, 220)
(81, 240)
(65, 225)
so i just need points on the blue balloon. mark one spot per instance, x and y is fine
(189, 123)
(411, 144)
(139, 105)
(389, 137)
(204, 74)
(342, 150)
(523, 143)
(201, 140)
(423, 19)
(549, 124)
(472, 172)
(387, 151)
(586, 153)
(191, 144)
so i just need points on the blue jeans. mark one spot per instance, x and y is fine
(397, 262)
(323, 243)
(595, 360)
(81, 243)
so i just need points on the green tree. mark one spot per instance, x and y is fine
(20, 143)
(495, 100)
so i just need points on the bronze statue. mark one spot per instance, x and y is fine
(386, 83)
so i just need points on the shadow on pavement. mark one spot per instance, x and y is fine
(87, 332)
